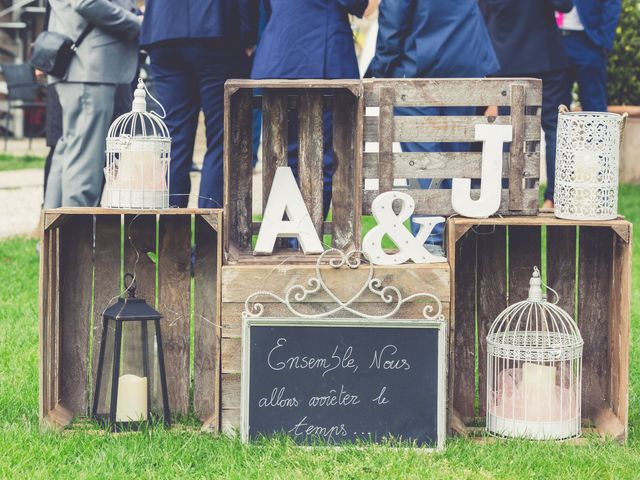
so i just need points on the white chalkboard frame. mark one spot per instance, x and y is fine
(247, 323)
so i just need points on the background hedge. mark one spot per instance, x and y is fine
(623, 83)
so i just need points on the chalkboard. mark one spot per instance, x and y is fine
(342, 380)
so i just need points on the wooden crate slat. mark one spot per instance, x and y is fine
(524, 254)
(462, 92)
(107, 282)
(444, 165)
(346, 189)
(561, 266)
(206, 349)
(594, 290)
(139, 239)
(385, 136)
(49, 324)
(491, 294)
(516, 147)
(445, 128)
(310, 155)
(174, 273)
(438, 202)
(274, 137)
(76, 257)
(462, 372)
(238, 173)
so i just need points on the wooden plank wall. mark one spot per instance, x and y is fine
(409, 279)
(523, 98)
(599, 279)
(81, 275)
(285, 104)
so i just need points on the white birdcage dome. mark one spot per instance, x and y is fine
(534, 359)
(138, 156)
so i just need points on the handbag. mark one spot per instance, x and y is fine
(52, 52)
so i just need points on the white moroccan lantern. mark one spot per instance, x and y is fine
(534, 370)
(587, 157)
(138, 156)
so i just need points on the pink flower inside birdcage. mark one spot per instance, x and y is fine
(534, 370)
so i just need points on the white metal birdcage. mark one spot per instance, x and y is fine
(534, 370)
(587, 158)
(138, 156)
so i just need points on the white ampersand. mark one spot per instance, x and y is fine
(409, 247)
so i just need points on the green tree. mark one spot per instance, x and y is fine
(623, 83)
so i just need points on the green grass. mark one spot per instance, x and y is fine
(12, 162)
(185, 452)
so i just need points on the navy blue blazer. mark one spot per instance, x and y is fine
(308, 39)
(525, 35)
(233, 22)
(432, 38)
(600, 19)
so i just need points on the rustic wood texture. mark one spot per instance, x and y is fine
(438, 202)
(524, 254)
(491, 294)
(238, 168)
(76, 279)
(462, 369)
(461, 92)
(274, 137)
(385, 139)
(174, 268)
(346, 188)
(310, 152)
(516, 148)
(206, 349)
(107, 278)
(561, 266)
(594, 287)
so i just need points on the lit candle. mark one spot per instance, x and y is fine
(132, 398)
(586, 165)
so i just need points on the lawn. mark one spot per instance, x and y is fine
(185, 452)
(12, 162)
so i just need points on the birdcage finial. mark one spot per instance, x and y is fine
(139, 98)
(535, 286)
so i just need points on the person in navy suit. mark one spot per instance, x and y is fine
(528, 43)
(589, 30)
(309, 39)
(194, 47)
(432, 38)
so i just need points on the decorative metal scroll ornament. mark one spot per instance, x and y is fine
(389, 295)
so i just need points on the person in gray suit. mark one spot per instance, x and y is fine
(107, 57)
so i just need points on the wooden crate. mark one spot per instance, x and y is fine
(240, 281)
(275, 98)
(84, 247)
(588, 263)
(521, 165)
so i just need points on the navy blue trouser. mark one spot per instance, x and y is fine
(588, 67)
(188, 77)
(436, 236)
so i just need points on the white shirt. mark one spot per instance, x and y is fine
(571, 21)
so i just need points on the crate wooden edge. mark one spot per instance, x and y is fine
(56, 416)
(605, 422)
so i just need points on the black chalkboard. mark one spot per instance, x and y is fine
(342, 380)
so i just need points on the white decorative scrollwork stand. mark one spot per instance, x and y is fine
(389, 295)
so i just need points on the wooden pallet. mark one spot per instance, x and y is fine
(80, 274)
(240, 281)
(597, 254)
(521, 165)
(276, 98)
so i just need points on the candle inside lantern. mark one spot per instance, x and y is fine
(140, 170)
(132, 398)
(586, 166)
(539, 385)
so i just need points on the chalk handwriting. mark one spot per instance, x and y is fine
(386, 359)
(277, 399)
(381, 399)
(334, 398)
(303, 428)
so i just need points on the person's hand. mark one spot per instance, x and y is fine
(491, 111)
(40, 74)
(250, 50)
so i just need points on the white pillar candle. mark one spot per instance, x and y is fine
(140, 170)
(586, 165)
(539, 382)
(132, 398)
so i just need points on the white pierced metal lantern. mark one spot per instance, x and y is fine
(138, 156)
(534, 370)
(587, 157)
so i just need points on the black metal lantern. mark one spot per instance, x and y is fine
(131, 386)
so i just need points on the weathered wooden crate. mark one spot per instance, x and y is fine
(84, 255)
(519, 100)
(309, 98)
(240, 281)
(587, 263)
